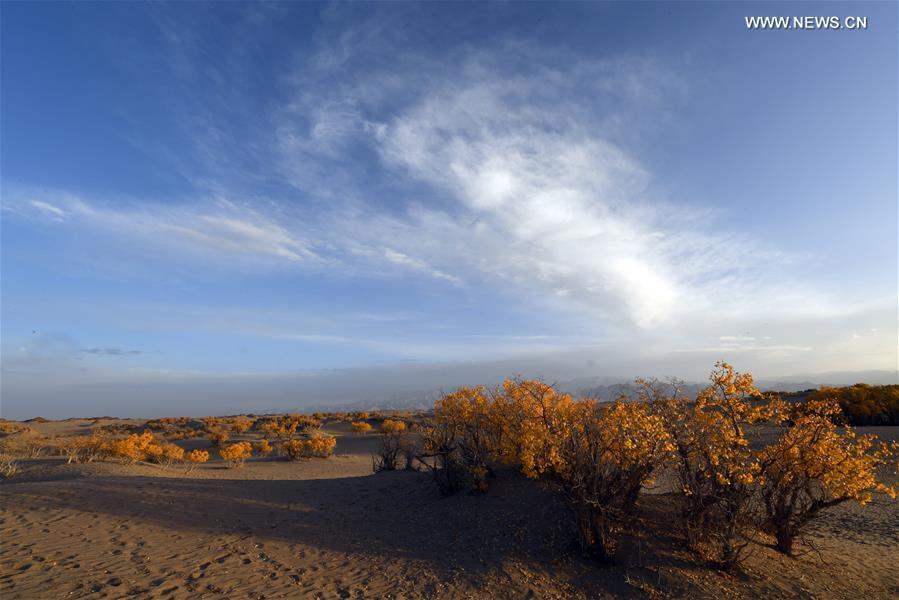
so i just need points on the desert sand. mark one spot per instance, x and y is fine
(330, 528)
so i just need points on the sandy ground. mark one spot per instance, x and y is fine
(329, 528)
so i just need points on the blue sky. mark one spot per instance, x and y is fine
(280, 199)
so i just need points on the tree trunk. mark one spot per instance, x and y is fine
(785, 540)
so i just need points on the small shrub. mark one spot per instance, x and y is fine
(294, 449)
(286, 426)
(814, 466)
(236, 454)
(11, 427)
(26, 444)
(391, 427)
(71, 448)
(318, 446)
(390, 448)
(240, 424)
(458, 442)
(8, 467)
(194, 458)
(321, 446)
(360, 427)
(262, 447)
(167, 454)
(218, 437)
(154, 453)
(717, 469)
(132, 448)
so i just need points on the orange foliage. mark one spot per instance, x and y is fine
(814, 466)
(391, 427)
(133, 448)
(360, 427)
(236, 454)
(194, 458)
(262, 447)
(319, 446)
(218, 436)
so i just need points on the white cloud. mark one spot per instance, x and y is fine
(220, 226)
(398, 258)
(47, 208)
(563, 208)
(513, 174)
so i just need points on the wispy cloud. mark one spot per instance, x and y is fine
(510, 170)
(398, 258)
(217, 225)
(111, 351)
(45, 207)
(526, 181)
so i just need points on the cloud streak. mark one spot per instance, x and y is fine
(111, 351)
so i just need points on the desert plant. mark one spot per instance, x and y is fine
(262, 447)
(169, 454)
(218, 437)
(11, 427)
(390, 445)
(814, 466)
(285, 427)
(608, 454)
(71, 448)
(318, 445)
(412, 449)
(153, 453)
(459, 441)
(132, 448)
(194, 458)
(9, 467)
(294, 449)
(236, 454)
(240, 424)
(717, 469)
(24, 444)
(360, 427)
(211, 423)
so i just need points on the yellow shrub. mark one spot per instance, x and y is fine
(218, 436)
(319, 446)
(194, 458)
(295, 449)
(132, 448)
(171, 453)
(459, 441)
(262, 447)
(240, 424)
(236, 454)
(814, 466)
(10, 427)
(154, 453)
(391, 427)
(360, 427)
(718, 471)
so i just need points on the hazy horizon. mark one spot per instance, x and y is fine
(222, 208)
